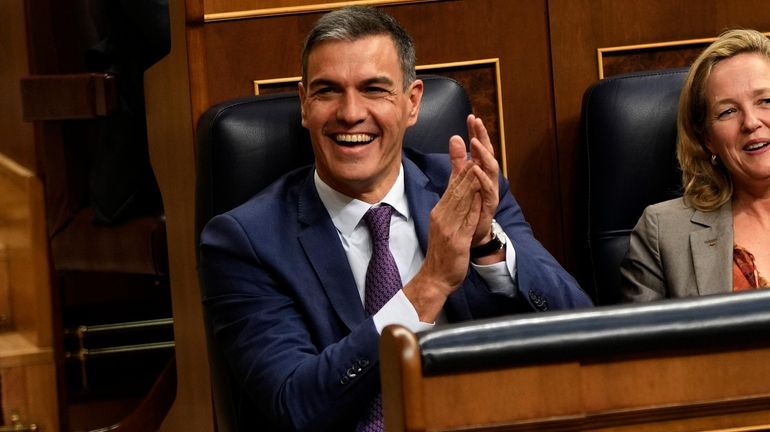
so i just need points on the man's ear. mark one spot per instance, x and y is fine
(301, 91)
(415, 92)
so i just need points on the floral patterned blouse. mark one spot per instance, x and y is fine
(745, 274)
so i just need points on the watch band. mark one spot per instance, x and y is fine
(489, 247)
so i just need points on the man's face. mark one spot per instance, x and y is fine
(357, 112)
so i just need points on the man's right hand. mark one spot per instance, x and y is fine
(453, 222)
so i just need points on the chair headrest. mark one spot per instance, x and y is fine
(629, 131)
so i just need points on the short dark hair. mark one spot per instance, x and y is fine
(355, 22)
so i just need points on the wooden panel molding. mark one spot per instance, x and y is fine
(226, 10)
(654, 56)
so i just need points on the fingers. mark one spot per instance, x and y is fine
(482, 151)
(457, 198)
(457, 155)
(483, 154)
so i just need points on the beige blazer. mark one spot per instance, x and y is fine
(677, 251)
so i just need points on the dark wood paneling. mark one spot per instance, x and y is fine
(578, 28)
(17, 142)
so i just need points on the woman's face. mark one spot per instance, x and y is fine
(738, 119)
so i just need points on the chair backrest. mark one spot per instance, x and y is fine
(629, 130)
(245, 144)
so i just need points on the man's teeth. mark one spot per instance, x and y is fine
(756, 146)
(354, 138)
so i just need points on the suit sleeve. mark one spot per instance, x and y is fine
(540, 279)
(297, 377)
(641, 272)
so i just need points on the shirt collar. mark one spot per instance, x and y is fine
(347, 212)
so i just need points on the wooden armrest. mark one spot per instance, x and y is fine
(71, 96)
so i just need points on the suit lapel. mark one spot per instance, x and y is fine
(322, 247)
(421, 196)
(712, 249)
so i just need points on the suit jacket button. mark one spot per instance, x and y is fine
(363, 363)
(351, 373)
(538, 301)
(344, 380)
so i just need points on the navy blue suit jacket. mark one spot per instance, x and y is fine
(286, 312)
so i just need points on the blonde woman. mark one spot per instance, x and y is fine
(716, 238)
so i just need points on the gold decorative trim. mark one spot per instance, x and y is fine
(287, 80)
(498, 91)
(294, 10)
(600, 52)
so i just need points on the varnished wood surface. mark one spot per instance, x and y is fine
(705, 390)
(27, 390)
(17, 136)
(235, 9)
(170, 89)
(27, 367)
(22, 232)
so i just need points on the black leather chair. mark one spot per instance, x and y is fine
(245, 144)
(629, 133)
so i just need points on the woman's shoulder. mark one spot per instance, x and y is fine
(672, 206)
(669, 215)
(677, 212)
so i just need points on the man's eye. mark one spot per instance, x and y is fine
(376, 90)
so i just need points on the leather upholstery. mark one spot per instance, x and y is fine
(245, 144)
(714, 322)
(629, 130)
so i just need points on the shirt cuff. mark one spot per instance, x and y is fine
(399, 310)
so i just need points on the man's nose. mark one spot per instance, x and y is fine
(352, 108)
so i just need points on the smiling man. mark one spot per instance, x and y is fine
(304, 276)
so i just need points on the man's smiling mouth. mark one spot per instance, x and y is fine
(353, 139)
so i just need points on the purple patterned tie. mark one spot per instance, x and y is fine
(382, 282)
(382, 278)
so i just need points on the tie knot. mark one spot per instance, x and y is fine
(378, 221)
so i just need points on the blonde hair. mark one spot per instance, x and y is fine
(708, 186)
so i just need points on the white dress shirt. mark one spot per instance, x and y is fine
(347, 215)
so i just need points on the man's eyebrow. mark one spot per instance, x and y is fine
(321, 82)
(377, 80)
